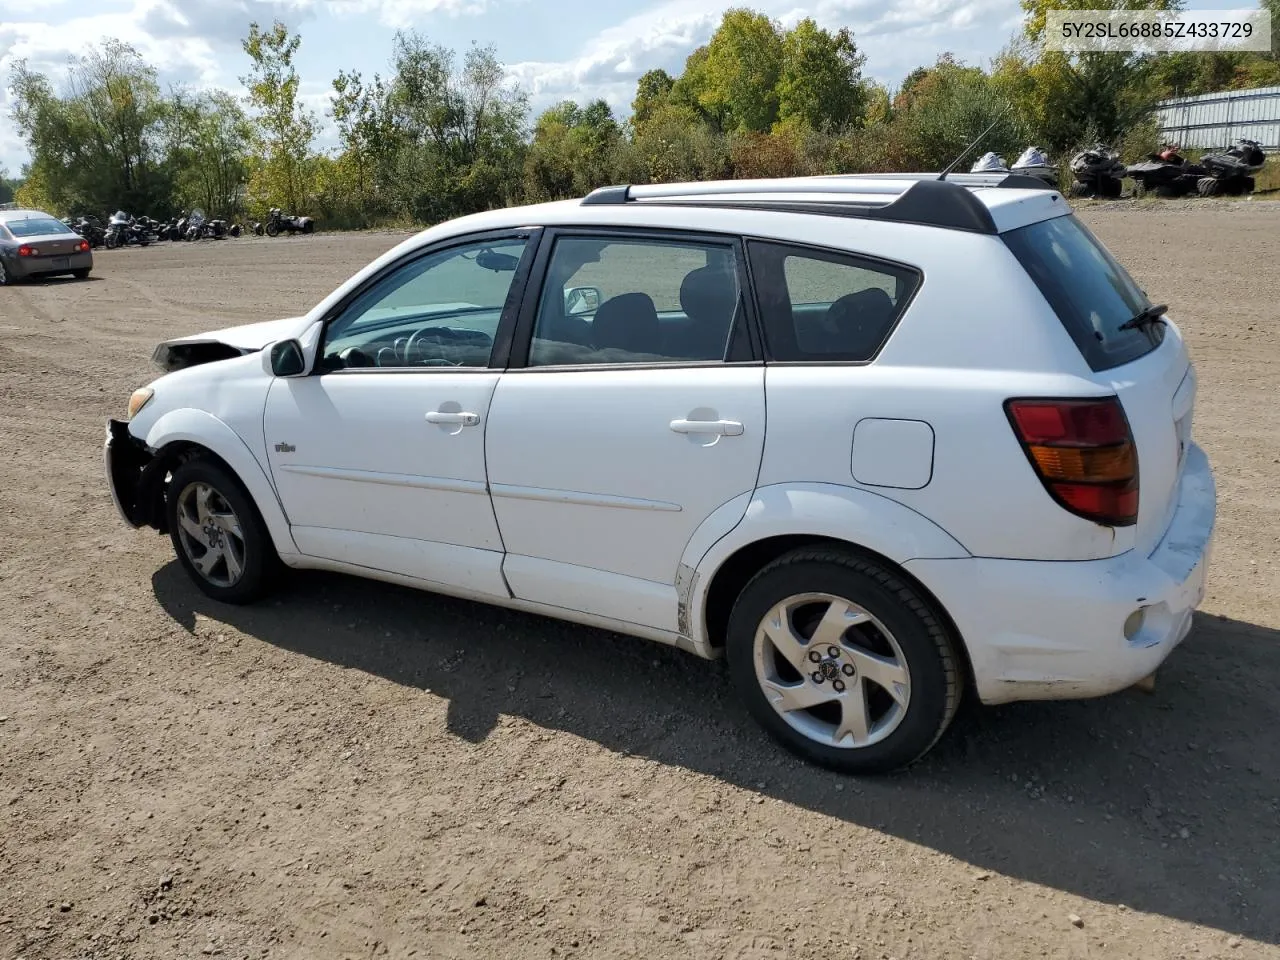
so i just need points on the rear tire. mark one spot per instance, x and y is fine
(842, 661)
(5, 279)
(1206, 186)
(218, 535)
(80, 274)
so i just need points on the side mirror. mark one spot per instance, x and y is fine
(286, 359)
(580, 300)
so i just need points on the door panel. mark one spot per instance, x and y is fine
(355, 452)
(587, 471)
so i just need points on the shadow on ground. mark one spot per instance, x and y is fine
(1168, 803)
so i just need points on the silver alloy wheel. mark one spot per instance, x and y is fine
(4, 277)
(832, 671)
(210, 533)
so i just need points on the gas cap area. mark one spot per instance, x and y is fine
(893, 453)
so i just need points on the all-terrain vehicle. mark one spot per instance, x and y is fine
(1231, 171)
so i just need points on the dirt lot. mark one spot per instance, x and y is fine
(356, 770)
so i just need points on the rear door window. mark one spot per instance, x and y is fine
(1092, 294)
(820, 306)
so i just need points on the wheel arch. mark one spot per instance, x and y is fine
(181, 434)
(786, 517)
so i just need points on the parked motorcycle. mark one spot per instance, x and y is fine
(277, 222)
(1098, 172)
(1231, 171)
(88, 227)
(1034, 162)
(1166, 174)
(122, 230)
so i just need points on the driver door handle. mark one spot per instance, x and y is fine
(725, 428)
(466, 419)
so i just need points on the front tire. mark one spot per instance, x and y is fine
(843, 662)
(273, 229)
(218, 534)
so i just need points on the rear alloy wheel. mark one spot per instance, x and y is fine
(5, 280)
(843, 662)
(218, 535)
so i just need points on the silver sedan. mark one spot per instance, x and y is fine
(34, 244)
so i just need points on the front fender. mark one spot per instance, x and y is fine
(858, 517)
(198, 427)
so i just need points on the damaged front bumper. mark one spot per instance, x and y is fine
(134, 477)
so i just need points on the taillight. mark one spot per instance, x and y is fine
(83, 246)
(1084, 454)
(24, 251)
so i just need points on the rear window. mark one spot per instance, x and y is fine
(36, 227)
(1091, 293)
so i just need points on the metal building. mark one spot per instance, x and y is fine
(1217, 119)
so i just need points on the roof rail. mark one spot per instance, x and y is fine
(906, 198)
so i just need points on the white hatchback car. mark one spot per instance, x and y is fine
(875, 439)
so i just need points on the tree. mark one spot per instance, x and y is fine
(463, 129)
(208, 138)
(285, 128)
(737, 80)
(820, 78)
(369, 142)
(95, 145)
(653, 90)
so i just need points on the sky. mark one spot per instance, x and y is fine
(556, 49)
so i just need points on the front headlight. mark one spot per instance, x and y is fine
(140, 398)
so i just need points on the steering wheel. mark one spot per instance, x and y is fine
(415, 342)
(443, 333)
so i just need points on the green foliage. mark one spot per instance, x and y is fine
(574, 150)
(737, 81)
(652, 92)
(946, 108)
(820, 81)
(96, 142)
(285, 128)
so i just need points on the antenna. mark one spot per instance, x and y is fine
(965, 152)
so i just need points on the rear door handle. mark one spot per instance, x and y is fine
(724, 428)
(441, 416)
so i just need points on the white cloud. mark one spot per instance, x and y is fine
(406, 13)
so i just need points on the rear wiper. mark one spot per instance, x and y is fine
(1153, 314)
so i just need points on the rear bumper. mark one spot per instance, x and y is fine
(1049, 631)
(134, 477)
(47, 266)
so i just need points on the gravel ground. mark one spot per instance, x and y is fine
(358, 770)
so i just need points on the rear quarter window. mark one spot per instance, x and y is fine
(1092, 294)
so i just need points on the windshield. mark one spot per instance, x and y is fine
(37, 227)
(1091, 293)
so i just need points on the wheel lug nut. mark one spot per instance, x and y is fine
(837, 685)
(817, 677)
(833, 653)
(815, 656)
(848, 669)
